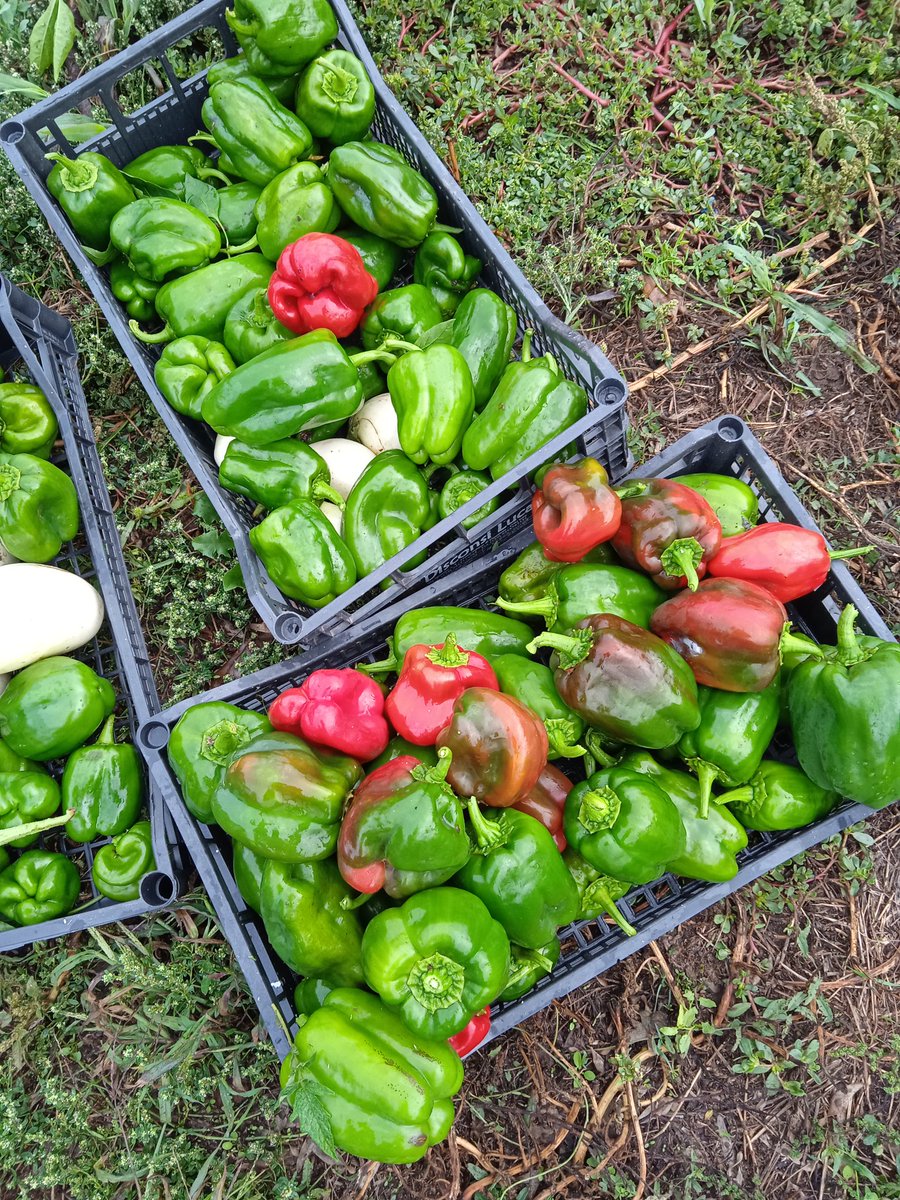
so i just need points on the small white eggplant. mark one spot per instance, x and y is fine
(346, 461)
(375, 424)
(334, 514)
(44, 611)
(222, 444)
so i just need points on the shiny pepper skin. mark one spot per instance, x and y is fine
(575, 510)
(321, 282)
(667, 530)
(342, 709)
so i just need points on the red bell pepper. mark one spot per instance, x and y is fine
(668, 531)
(342, 709)
(575, 510)
(730, 633)
(546, 802)
(469, 1038)
(787, 560)
(431, 680)
(321, 282)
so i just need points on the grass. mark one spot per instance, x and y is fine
(655, 191)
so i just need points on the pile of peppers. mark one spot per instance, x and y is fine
(415, 833)
(312, 312)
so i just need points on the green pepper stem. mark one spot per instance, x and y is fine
(77, 176)
(706, 776)
(437, 227)
(150, 339)
(559, 733)
(572, 649)
(202, 136)
(836, 555)
(212, 173)
(599, 809)
(438, 773)
(101, 258)
(598, 750)
(488, 834)
(526, 345)
(384, 667)
(789, 644)
(437, 982)
(528, 960)
(599, 891)
(395, 343)
(449, 655)
(243, 247)
(339, 86)
(380, 355)
(244, 28)
(107, 736)
(544, 607)
(34, 828)
(324, 491)
(10, 478)
(739, 795)
(682, 557)
(351, 902)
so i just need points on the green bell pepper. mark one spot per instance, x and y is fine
(518, 873)
(528, 576)
(187, 371)
(258, 137)
(438, 959)
(296, 202)
(247, 868)
(199, 303)
(335, 97)
(90, 190)
(28, 424)
(485, 633)
(38, 507)
(578, 590)
(777, 797)
(11, 762)
(103, 783)
(625, 825)
(733, 735)
(120, 865)
(446, 270)
(282, 87)
(380, 257)
(52, 707)
(310, 995)
(389, 506)
(462, 487)
(597, 892)
(381, 193)
(303, 553)
(404, 313)
(845, 716)
(136, 294)
(278, 473)
(159, 237)
(236, 211)
(167, 167)
(39, 886)
(201, 746)
(483, 331)
(733, 501)
(279, 36)
(358, 1080)
(283, 798)
(26, 796)
(532, 684)
(399, 747)
(711, 840)
(531, 404)
(431, 391)
(528, 967)
(251, 327)
(306, 922)
(294, 386)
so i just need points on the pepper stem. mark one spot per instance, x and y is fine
(10, 477)
(437, 982)
(598, 750)
(339, 86)
(706, 776)
(150, 339)
(379, 355)
(77, 176)
(220, 742)
(396, 343)
(488, 834)
(599, 891)
(560, 732)
(34, 828)
(571, 648)
(384, 667)
(528, 960)
(739, 795)
(682, 557)
(526, 345)
(243, 247)
(599, 809)
(847, 642)
(212, 173)
(324, 491)
(349, 903)
(544, 607)
(106, 736)
(789, 644)
(438, 773)
(244, 28)
(100, 258)
(449, 655)
(835, 555)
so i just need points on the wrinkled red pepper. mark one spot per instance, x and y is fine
(321, 282)
(574, 510)
(469, 1038)
(431, 680)
(342, 709)
(668, 531)
(546, 802)
(730, 633)
(787, 560)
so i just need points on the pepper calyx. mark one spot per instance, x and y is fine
(599, 809)
(683, 557)
(221, 741)
(436, 982)
(449, 655)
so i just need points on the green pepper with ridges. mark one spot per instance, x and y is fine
(199, 303)
(778, 796)
(533, 685)
(579, 590)
(483, 331)
(431, 391)
(276, 474)
(167, 167)
(389, 506)
(38, 507)
(104, 784)
(304, 554)
(307, 923)
(258, 136)
(52, 707)
(446, 270)
(335, 97)
(187, 371)
(381, 193)
(404, 313)
(528, 576)
(120, 865)
(252, 328)
(136, 294)
(282, 87)
(279, 36)
(28, 424)
(294, 203)
(202, 745)
(39, 886)
(90, 190)
(462, 487)
(26, 796)
(485, 633)
(159, 237)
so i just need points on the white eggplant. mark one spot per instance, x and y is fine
(346, 461)
(334, 514)
(375, 424)
(44, 611)
(222, 444)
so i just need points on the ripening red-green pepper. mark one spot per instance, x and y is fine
(420, 705)
(730, 633)
(575, 510)
(546, 802)
(473, 1035)
(667, 530)
(339, 708)
(787, 560)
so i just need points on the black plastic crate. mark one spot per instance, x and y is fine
(38, 343)
(173, 117)
(589, 947)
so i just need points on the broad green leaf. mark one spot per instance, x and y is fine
(202, 196)
(63, 37)
(79, 128)
(15, 85)
(52, 38)
(889, 98)
(308, 1110)
(836, 334)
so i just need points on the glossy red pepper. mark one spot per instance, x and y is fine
(730, 633)
(473, 1035)
(546, 802)
(575, 510)
(668, 531)
(787, 560)
(342, 709)
(321, 282)
(431, 680)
